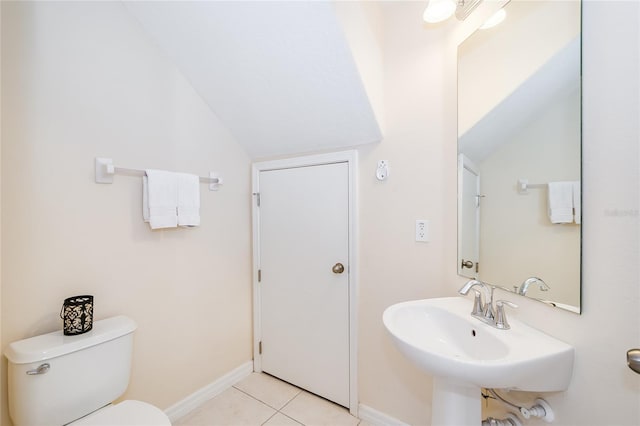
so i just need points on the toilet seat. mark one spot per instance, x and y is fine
(126, 413)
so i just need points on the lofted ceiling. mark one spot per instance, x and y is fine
(280, 75)
(554, 80)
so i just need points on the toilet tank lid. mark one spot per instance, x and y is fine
(51, 345)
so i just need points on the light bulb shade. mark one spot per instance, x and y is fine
(438, 10)
(494, 20)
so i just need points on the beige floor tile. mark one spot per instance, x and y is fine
(312, 410)
(268, 389)
(281, 420)
(230, 408)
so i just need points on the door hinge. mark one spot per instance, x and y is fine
(259, 275)
(257, 194)
(260, 348)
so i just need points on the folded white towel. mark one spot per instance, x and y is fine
(162, 201)
(577, 202)
(560, 202)
(145, 198)
(188, 200)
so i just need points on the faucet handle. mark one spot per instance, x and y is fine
(478, 305)
(501, 318)
(506, 302)
(489, 315)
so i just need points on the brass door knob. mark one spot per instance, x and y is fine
(338, 268)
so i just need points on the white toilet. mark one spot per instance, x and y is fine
(56, 379)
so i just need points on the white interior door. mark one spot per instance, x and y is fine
(304, 298)
(468, 219)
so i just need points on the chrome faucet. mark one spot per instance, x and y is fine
(478, 304)
(525, 285)
(485, 312)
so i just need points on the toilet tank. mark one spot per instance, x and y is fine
(54, 379)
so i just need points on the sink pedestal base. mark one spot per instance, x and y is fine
(455, 404)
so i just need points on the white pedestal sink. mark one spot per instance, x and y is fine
(464, 354)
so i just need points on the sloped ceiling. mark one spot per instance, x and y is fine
(555, 79)
(280, 75)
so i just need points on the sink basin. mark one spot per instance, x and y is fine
(464, 354)
(442, 338)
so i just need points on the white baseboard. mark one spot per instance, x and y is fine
(199, 397)
(377, 418)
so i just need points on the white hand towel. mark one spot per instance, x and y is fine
(188, 200)
(162, 191)
(561, 202)
(577, 202)
(145, 198)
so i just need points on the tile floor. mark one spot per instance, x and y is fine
(261, 399)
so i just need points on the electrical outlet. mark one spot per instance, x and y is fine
(382, 172)
(422, 230)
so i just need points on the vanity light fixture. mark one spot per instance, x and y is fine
(438, 11)
(441, 10)
(494, 20)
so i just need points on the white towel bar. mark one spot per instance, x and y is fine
(524, 186)
(105, 171)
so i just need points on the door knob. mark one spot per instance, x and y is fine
(338, 268)
(466, 264)
(633, 359)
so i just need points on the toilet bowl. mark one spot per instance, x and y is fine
(57, 380)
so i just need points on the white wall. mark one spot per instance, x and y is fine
(79, 80)
(362, 23)
(393, 267)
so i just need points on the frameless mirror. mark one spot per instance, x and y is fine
(519, 152)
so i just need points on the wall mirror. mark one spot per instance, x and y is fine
(519, 152)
